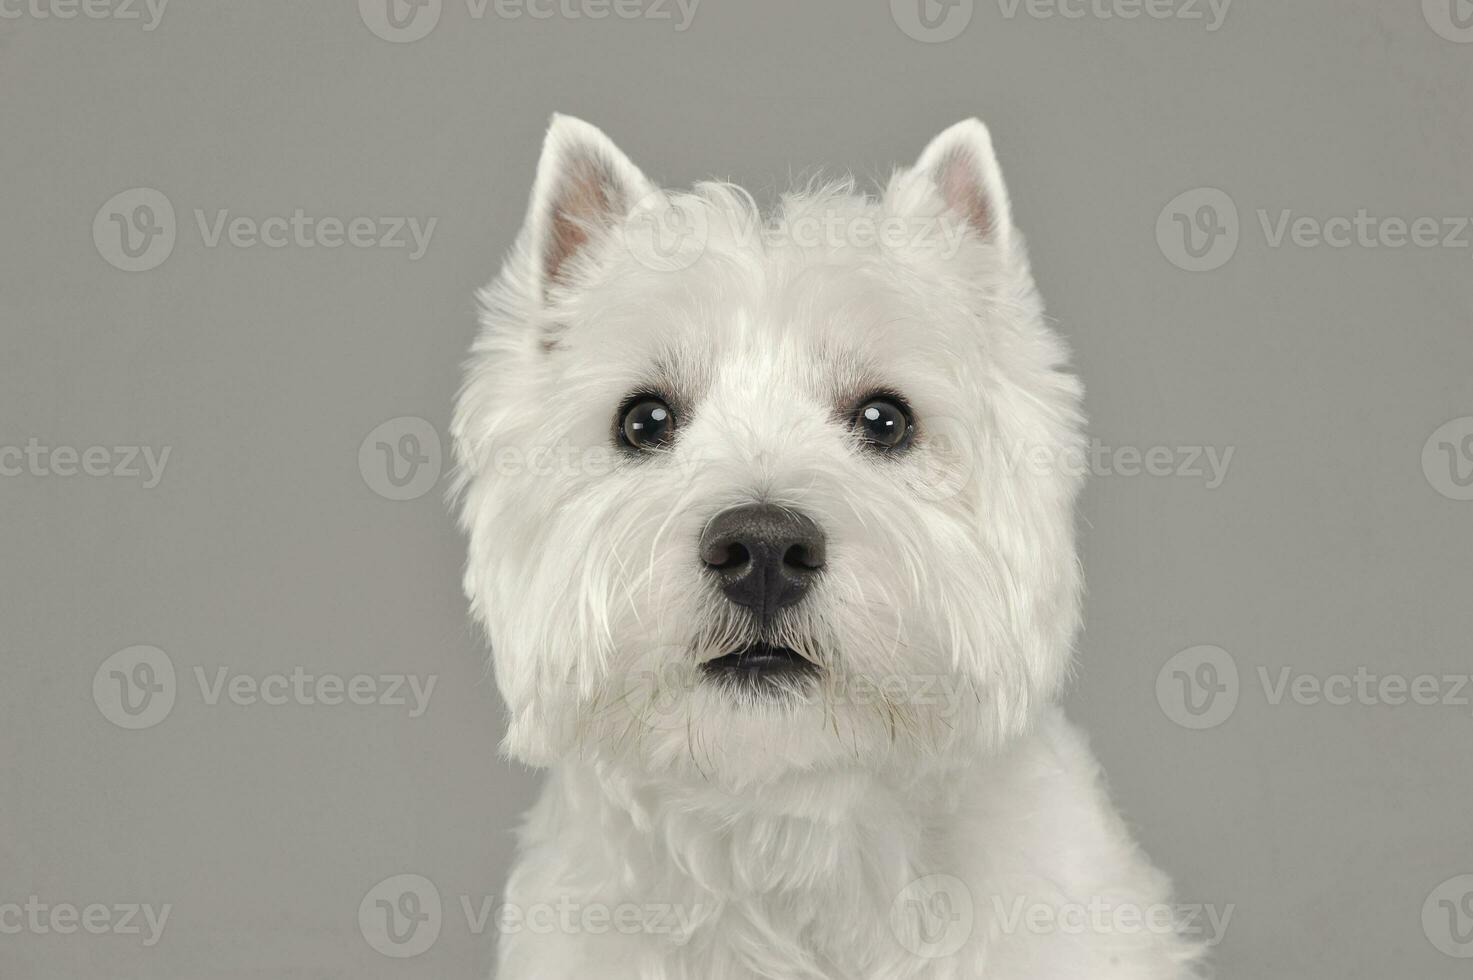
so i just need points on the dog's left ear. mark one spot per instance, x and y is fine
(585, 187)
(962, 166)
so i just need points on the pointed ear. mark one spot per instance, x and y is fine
(963, 168)
(584, 187)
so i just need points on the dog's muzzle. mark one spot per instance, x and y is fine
(763, 557)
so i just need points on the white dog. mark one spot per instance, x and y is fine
(780, 579)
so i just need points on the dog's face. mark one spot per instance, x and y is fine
(747, 497)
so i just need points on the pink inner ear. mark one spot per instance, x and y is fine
(960, 181)
(586, 198)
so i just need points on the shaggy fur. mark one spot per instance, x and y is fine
(886, 820)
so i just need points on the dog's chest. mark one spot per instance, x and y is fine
(767, 890)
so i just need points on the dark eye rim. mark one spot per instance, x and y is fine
(630, 401)
(900, 402)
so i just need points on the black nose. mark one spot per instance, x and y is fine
(765, 557)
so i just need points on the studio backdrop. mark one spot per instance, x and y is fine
(247, 728)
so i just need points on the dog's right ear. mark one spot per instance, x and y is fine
(962, 167)
(585, 186)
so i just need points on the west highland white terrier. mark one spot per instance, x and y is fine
(770, 535)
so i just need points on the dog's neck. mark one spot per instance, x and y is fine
(808, 838)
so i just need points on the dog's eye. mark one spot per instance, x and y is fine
(884, 424)
(647, 423)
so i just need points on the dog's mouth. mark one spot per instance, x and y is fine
(761, 668)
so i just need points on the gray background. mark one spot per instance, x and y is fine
(264, 547)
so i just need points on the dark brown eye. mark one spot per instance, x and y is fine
(884, 424)
(647, 423)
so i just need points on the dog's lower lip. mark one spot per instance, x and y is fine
(760, 659)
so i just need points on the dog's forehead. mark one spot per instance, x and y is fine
(780, 315)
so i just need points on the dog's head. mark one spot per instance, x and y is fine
(752, 495)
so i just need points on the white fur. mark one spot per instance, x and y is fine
(787, 833)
